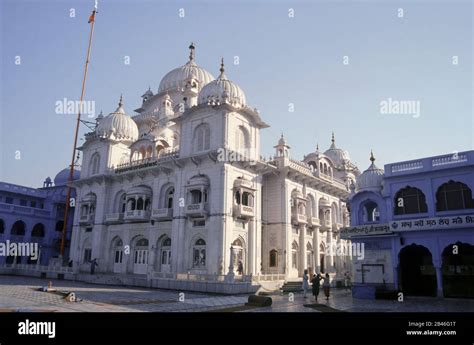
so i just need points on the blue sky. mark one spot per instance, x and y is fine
(283, 60)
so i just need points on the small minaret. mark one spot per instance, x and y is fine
(191, 87)
(282, 155)
(166, 109)
(147, 95)
(282, 149)
(47, 183)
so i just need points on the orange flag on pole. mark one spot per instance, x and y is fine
(92, 17)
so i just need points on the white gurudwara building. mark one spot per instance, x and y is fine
(179, 193)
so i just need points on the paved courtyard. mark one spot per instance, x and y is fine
(20, 294)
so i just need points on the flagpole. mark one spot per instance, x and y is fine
(78, 121)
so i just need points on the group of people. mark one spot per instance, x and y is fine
(316, 284)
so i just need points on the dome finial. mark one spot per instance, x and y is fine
(222, 66)
(191, 51)
(120, 104)
(317, 147)
(333, 142)
(372, 158)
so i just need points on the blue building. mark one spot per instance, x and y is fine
(416, 222)
(35, 215)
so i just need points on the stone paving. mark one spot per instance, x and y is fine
(342, 300)
(20, 294)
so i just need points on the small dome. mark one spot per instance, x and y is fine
(118, 126)
(176, 79)
(222, 90)
(62, 177)
(337, 155)
(282, 141)
(370, 179)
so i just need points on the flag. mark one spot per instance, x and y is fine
(92, 17)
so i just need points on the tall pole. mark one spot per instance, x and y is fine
(71, 168)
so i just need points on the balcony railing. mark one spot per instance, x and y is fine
(197, 210)
(24, 210)
(137, 216)
(300, 218)
(243, 211)
(114, 218)
(162, 213)
(87, 219)
(313, 221)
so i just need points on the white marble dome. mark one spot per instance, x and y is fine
(176, 79)
(222, 90)
(371, 179)
(337, 155)
(118, 126)
(62, 177)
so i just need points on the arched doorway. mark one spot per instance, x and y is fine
(417, 273)
(239, 254)
(294, 256)
(458, 270)
(322, 257)
(165, 255)
(117, 250)
(140, 256)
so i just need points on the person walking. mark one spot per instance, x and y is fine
(305, 283)
(316, 282)
(326, 286)
(240, 268)
(94, 264)
(347, 280)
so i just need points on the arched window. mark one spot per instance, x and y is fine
(95, 164)
(241, 139)
(38, 230)
(199, 254)
(237, 197)
(313, 165)
(273, 258)
(247, 199)
(143, 242)
(18, 228)
(454, 196)
(167, 242)
(140, 204)
(169, 198)
(370, 212)
(123, 203)
(2, 226)
(202, 138)
(198, 197)
(294, 255)
(410, 200)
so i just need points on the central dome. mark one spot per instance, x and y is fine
(176, 79)
(337, 155)
(222, 89)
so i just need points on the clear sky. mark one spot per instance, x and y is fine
(282, 60)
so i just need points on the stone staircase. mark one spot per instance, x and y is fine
(292, 286)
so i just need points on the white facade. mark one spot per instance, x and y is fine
(164, 192)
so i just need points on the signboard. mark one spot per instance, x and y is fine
(451, 222)
(365, 230)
